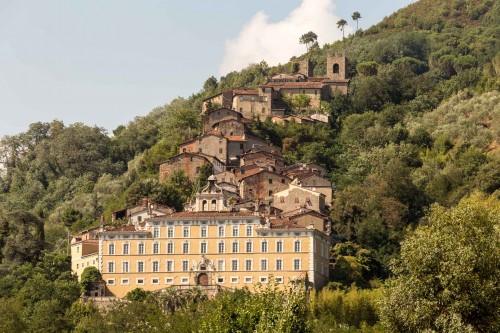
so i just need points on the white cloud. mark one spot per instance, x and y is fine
(277, 42)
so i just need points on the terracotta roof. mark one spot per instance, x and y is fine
(308, 174)
(221, 93)
(302, 211)
(236, 138)
(246, 175)
(255, 154)
(294, 85)
(245, 92)
(201, 215)
(124, 229)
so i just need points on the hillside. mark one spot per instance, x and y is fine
(419, 126)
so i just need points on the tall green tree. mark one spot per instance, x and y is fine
(341, 25)
(309, 39)
(356, 16)
(447, 279)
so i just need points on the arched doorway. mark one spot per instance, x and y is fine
(202, 279)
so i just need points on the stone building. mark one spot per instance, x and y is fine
(143, 210)
(191, 164)
(262, 185)
(315, 182)
(296, 197)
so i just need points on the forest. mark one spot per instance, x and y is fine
(413, 151)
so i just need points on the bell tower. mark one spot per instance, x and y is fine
(336, 66)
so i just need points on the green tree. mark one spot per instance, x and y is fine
(447, 277)
(356, 16)
(137, 295)
(341, 25)
(89, 275)
(309, 39)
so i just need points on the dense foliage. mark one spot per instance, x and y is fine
(418, 127)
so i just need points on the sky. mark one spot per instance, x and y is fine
(103, 63)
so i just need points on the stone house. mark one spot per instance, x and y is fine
(263, 159)
(299, 168)
(314, 182)
(212, 117)
(191, 164)
(305, 217)
(262, 185)
(221, 100)
(296, 197)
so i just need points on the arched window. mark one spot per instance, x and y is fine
(214, 205)
(204, 205)
(336, 69)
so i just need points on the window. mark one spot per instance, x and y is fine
(139, 281)
(185, 265)
(126, 248)
(140, 266)
(156, 266)
(248, 264)
(111, 267)
(236, 247)
(248, 279)
(296, 264)
(278, 279)
(169, 280)
(279, 264)
(270, 192)
(185, 232)
(236, 231)
(234, 279)
(141, 248)
(220, 280)
(155, 281)
(139, 218)
(170, 232)
(279, 246)
(242, 146)
(221, 231)
(111, 282)
(185, 247)
(125, 267)
(170, 247)
(263, 246)
(234, 264)
(249, 246)
(184, 280)
(249, 231)
(203, 247)
(203, 232)
(220, 264)
(270, 180)
(77, 249)
(336, 69)
(125, 282)
(156, 248)
(156, 232)
(241, 109)
(296, 246)
(221, 247)
(170, 265)
(77, 266)
(220, 150)
(263, 279)
(263, 264)
(282, 199)
(111, 248)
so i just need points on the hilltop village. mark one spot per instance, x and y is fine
(255, 219)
